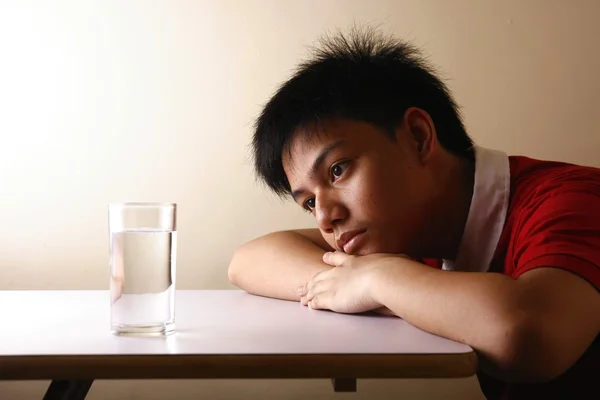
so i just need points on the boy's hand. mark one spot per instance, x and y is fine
(346, 288)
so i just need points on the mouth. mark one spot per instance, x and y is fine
(350, 241)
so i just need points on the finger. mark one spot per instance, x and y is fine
(322, 301)
(302, 290)
(317, 288)
(317, 278)
(336, 258)
(304, 301)
(317, 303)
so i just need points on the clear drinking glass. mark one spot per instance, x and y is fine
(143, 250)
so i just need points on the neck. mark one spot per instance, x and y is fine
(458, 177)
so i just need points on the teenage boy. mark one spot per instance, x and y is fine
(499, 252)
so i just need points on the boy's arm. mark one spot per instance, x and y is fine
(531, 328)
(521, 329)
(275, 265)
(527, 329)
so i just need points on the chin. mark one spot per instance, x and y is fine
(378, 249)
(373, 246)
(366, 250)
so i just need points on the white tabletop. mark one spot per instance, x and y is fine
(55, 324)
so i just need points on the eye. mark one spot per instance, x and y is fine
(309, 204)
(338, 169)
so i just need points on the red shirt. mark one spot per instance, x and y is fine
(553, 220)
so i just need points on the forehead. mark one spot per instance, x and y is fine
(307, 144)
(310, 150)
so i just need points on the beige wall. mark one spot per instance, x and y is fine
(134, 100)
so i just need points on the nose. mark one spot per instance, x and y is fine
(329, 212)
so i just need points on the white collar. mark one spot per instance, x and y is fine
(487, 212)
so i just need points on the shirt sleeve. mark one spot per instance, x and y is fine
(562, 231)
(431, 262)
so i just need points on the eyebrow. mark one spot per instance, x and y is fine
(317, 163)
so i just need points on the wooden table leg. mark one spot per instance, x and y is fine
(344, 384)
(68, 390)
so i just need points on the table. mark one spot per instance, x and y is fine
(64, 336)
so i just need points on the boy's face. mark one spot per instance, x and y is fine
(368, 193)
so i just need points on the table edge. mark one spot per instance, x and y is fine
(358, 366)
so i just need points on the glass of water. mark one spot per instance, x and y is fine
(143, 250)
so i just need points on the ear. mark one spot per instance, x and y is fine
(422, 132)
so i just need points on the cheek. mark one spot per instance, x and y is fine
(393, 205)
(382, 195)
(374, 201)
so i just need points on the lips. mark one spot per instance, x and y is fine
(349, 240)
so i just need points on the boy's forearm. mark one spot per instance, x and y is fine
(476, 309)
(275, 265)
